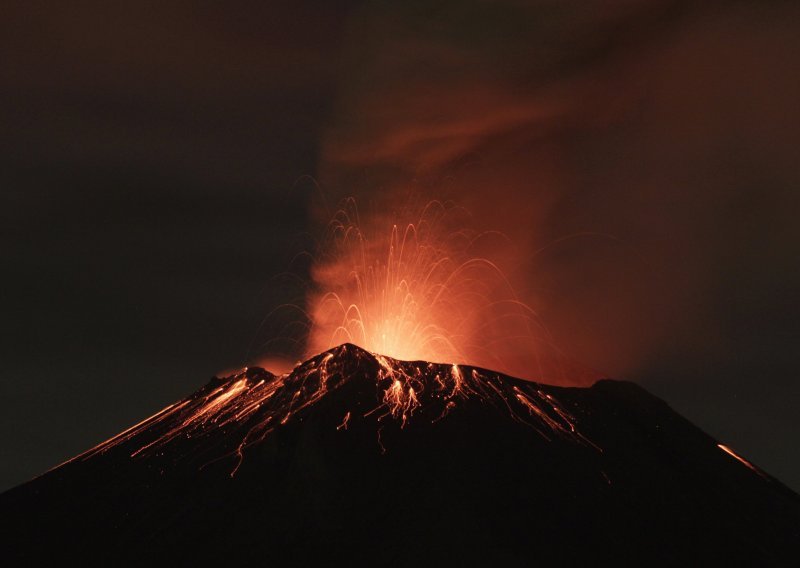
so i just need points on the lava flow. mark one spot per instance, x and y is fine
(252, 403)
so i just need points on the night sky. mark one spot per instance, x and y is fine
(157, 161)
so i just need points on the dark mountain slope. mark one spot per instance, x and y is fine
(360, 459)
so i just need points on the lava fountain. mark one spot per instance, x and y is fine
(424, 287)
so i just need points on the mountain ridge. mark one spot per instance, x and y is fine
(359, 457)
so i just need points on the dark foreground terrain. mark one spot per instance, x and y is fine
(363, 460)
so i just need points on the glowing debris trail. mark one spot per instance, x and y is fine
(739, 458)
(253, 403)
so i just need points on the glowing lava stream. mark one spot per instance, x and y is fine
(740, 459)
(254, 402)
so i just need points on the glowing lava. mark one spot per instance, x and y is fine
(739, 458)
(253, 403)
(421, 290)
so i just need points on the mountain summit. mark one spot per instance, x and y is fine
(359, 458)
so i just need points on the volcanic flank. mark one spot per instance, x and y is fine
(359, 458)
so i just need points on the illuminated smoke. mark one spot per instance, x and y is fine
(664, 132)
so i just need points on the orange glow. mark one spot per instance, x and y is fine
(739, 458)
(416, 308)
(345, 422)
(426, 289)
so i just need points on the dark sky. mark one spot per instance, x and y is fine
(152, 163)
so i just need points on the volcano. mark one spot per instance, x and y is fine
(361, 459)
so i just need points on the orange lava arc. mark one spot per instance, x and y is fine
(426, 289)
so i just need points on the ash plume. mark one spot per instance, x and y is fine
(626, 147)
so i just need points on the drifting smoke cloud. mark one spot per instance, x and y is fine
(642, 154)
